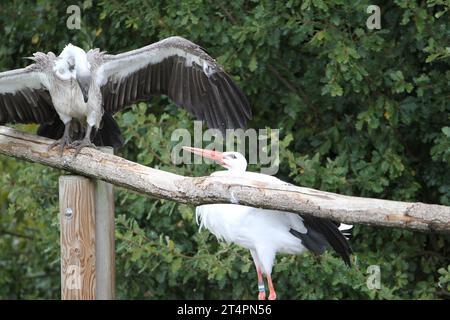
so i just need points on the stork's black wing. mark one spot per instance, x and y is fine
(321, 232)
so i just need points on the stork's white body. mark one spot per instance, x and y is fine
(263, 232)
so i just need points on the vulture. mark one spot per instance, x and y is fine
(74, 96)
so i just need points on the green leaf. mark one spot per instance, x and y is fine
(253, 63)
(446, 131)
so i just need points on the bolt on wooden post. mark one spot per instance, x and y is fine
(87, 238)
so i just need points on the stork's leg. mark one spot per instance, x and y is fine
(85, 142)
(261, 288)
(272, 293)
(65, 139)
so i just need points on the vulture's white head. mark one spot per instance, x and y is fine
(72, 63)
(233, 161)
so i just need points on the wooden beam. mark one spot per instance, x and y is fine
(204, 190)
(77, 217)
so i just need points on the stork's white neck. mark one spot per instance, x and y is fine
(234, 162)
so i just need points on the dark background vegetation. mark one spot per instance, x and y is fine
(360, 112)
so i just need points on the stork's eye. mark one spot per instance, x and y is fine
(71, 67)
(233, 156)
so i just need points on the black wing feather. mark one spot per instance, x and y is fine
(212, 97)
(19, 108)
(321, 231)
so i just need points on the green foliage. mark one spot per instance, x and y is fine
(361, 112)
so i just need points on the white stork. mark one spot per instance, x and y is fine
(87, 88)
(266, 232)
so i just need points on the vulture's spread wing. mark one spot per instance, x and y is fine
(23, 98)
(181, 70)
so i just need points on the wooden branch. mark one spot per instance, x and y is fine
(203, 190)
(16, 234)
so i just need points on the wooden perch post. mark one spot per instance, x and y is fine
(77, 216)
(87, 238)
(105, 238)
(203, 190)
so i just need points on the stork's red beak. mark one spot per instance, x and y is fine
(210, 154)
